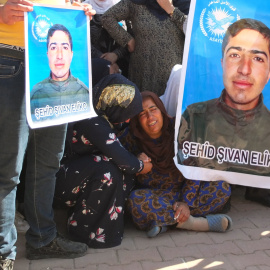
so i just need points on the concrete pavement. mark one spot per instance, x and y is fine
(246, 246)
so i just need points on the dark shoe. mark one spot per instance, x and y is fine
(156, 230)
(226, 208)
(60, 247)
(259, 195)
(6, 264)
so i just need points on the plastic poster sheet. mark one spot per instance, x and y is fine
(213, 141)
(58, 71)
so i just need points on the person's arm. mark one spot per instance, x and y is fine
(95, 53)
(98, 133)
(87, 8)
(120, 11)
(147, 163)
(110, 56)
(13, 11)
(129, 142)
(175, 14)
(115, 55)
(121, 52)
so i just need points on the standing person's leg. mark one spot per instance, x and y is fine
(13, 142)
(44, 152)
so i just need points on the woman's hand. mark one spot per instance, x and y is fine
(131, 45)
(147, 168)
(146, 162)
(182, 212)
(114, 68)
(87, 8)
(166, 5)
(13, 11)
(142, 156)
(110, 56)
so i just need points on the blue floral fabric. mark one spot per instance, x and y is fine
(151, 204)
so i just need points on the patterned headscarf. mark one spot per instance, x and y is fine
(161, 150)
(117, 98)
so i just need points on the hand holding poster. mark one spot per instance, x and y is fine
(58, 78)
(224, 134)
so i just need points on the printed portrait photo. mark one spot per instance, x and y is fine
(58, 76)
(223, 109)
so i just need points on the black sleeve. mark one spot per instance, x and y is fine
(96, 133)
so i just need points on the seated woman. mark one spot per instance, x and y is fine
(97, 173)
(164, 196)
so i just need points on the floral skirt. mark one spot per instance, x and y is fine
(154, 207)
(95, 189)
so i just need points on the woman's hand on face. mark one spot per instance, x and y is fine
(167, 5)
(13, 11)
(110, 56)
(182, 212)
(131, 45)
(142, 156)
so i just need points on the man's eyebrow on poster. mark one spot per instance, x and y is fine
(250, 51)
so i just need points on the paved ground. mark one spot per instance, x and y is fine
(246, 246)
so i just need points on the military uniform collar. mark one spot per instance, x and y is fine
(239, 117)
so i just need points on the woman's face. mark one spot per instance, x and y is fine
(151, 118)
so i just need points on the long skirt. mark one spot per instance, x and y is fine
(154, 207)
(95, 189)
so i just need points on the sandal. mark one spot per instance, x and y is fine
(215, 222)
(156, 230)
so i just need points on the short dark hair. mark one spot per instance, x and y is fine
(59, 27)
(242, 24)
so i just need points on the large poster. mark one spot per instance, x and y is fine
(58, 66)
(222, 123)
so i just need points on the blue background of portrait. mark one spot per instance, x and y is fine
(76, 22)
(204, 72)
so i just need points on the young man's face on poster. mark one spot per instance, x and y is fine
(246, 69)
(59, 55)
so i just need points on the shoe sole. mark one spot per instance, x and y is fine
(54, 256)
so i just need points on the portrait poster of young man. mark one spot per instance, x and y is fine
(222, 130)
(58, 77)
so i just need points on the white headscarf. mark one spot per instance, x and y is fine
(170, 97)
(101, 6)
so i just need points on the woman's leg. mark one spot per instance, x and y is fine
(96, 190)
(205, 198)
(152, 207)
